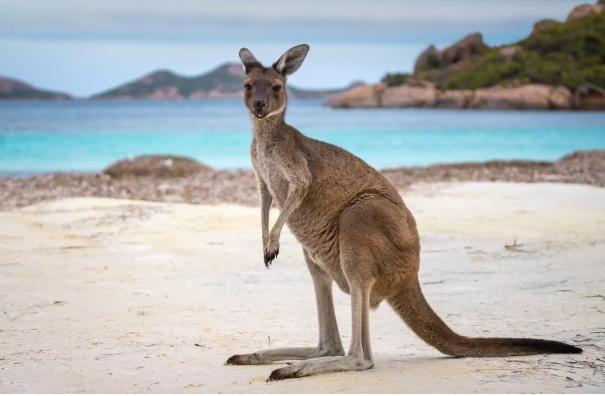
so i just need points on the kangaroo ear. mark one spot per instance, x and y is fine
(248, 60)
(291, 60)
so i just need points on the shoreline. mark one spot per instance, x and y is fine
(239, 186)
(528, 97)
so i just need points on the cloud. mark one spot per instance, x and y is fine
(268, 20)
(378, 10)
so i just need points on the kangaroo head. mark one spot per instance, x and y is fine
(265, 87)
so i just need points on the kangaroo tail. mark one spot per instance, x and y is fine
(412, 307)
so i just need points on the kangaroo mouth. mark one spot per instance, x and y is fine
(260, 116)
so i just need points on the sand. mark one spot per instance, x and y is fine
(107, 295)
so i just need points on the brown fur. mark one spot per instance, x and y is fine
(355, 230)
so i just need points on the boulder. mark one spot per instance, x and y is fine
(428, 59)
(589, 97)
(454, 99)
(159, 166)
(363, 96)
(409, 96)
(464, 49)
(585, 10)
(560, 98)
(467, 48)
(526, 97)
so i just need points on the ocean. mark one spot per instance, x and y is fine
(54, 136)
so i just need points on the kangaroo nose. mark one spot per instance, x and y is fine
(259, 105)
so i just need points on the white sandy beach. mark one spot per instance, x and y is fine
(105, 295)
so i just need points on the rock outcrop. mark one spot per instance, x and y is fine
(589, 97)
(560, 98)
(584, 11)
(454, 99)
(525, 97)
(521, 97)
(460, 51)
(464, 49)
(408, 96)
(428, 59)
(361, 96)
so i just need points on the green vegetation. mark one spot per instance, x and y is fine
(433, 61)
(395, 79)
(565, 54)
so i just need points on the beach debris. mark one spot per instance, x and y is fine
(199, 184)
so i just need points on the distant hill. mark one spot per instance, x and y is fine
(223, 82)
(15, 89)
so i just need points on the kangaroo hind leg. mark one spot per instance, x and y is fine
(356, 261)
(359, 356)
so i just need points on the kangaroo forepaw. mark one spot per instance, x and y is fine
(270, 256)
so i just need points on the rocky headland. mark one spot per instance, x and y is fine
(560, 66)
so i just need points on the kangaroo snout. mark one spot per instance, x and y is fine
(259, 105)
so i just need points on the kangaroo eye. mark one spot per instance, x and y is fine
(276, 88)
(247, 87)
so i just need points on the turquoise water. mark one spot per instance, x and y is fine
(37, 137)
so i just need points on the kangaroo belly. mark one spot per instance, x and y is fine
(317, 236)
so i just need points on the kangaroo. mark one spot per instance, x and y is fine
(355, 230)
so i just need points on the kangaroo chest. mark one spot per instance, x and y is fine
(265, 165)
(313, 226)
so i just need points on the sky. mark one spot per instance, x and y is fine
(84, 47)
